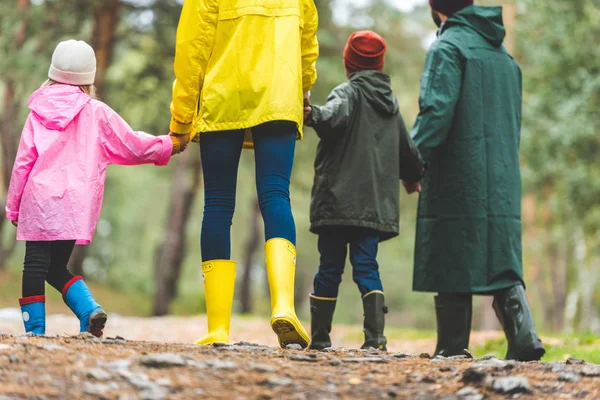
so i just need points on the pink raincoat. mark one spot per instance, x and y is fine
(57, 181)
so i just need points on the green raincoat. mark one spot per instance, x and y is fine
(468, 131)
(364, 152)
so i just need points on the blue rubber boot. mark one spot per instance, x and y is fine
(78, 297)
(33, 311)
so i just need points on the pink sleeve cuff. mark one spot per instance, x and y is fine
(166, 152)
(12, 215)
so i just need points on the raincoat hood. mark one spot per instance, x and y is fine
(376, 88)
(57, 105)
(486, 21)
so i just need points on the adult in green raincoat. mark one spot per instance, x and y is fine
(469, 219)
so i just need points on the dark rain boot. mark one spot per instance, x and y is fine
(453, 313)
(321, 315)
(512, 309)
(374, 323)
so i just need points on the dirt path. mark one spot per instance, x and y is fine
(151, 364)
(88, 368)
(188, 329)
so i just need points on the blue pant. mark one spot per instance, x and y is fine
(274, 146)
(333, 246)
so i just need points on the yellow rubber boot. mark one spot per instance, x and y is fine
(219, 284)
(281, 271)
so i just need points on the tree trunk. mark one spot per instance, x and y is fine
(252, 247)
(106, 19)
(9, 133)
(170, 254)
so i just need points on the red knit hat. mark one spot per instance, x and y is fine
(449, 7)
(364, 50)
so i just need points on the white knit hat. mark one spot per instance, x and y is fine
(73, 63)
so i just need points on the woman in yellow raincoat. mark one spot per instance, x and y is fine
(242, 67)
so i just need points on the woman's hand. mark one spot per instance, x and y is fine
(15, 222)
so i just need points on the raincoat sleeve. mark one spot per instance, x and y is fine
(334, 116)
(440, 90)
(195, 39)
(24, 162)
(411, 164)
(124, 146)
(310, 45)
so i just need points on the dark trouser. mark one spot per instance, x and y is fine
(333, 246)
(46, 262)
(274, 145)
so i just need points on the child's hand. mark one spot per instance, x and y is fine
(180, 142)
(412, 187)
(307, 113)
(15, 222)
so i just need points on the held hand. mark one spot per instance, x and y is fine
(307, 113)
(182, 139)
(15, 222)
(412, 187)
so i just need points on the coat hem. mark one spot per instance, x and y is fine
(385, 231)
(478, 291)
(201, 128)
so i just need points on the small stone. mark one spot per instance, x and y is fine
(474, 375)
(364, 360)
(459, 357)
(424, 355)
(511, 385)
(591, 371)
(99, 389)
(164, 382)
(13, 359)
(447, 368)
(218, 344)
(468, 354)
(575, 361)
(261, 367)
(116, 365)
(582, 394)
(469, 393)
(225, 365)
(488, 357)
(156, 393)
(438, 360)
(293, 346)
(402, 355)
(162, 360)
(23, 339)
(555, 367)
(354, 381)
(50, 346)
(140, 381)
(5, 346)
(303, 358)
(334, 361)
(277, 382)
(248, 344)
(568, 377)
(494, 364)
(98, 374)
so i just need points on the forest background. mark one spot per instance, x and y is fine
(145, 259)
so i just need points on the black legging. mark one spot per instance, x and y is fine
(46, 261)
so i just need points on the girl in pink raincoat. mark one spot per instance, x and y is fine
(57, 182)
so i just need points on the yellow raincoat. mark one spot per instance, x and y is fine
(241, 63)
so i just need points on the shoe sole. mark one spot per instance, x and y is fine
(288, 333)
(97, 323)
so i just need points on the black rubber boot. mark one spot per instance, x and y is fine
(512, 309)
(321, 315)
(453, 313)
(374, 323)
